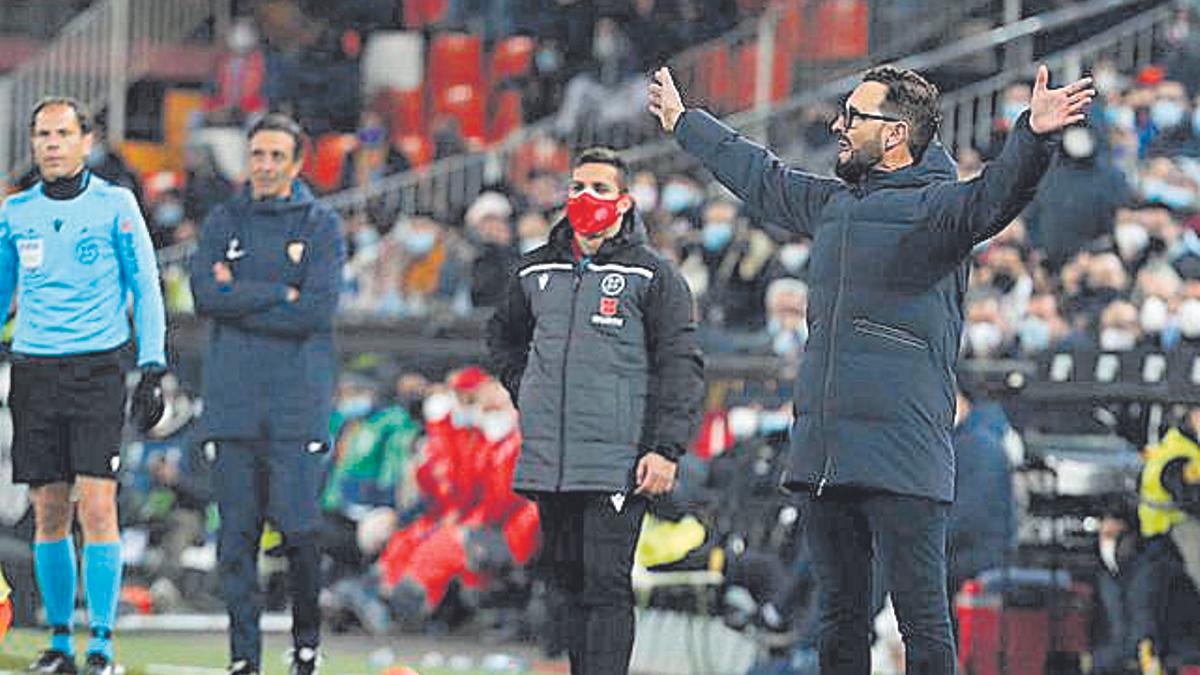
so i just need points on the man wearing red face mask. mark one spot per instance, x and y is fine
(596, 343)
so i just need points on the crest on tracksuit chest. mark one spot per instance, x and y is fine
(612, 286)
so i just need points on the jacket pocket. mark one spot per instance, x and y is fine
(892, 334)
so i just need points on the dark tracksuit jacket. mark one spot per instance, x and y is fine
(602, 359)
(888, 271)
(269, 369)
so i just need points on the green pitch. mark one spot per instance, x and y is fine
(197, 654)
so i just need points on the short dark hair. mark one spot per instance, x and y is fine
(603, 155)
(281, 122)
(81, 112)
(912, 98)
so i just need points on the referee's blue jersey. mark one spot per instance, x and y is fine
(75, 262)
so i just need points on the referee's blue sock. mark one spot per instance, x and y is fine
(102, 583)
(54, 564)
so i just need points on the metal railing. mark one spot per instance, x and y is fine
(1131, 42)
(95, 58)
(449, 184)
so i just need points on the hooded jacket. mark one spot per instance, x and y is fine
(269, 369)
(888, 269)
(602, 359)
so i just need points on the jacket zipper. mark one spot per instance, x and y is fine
(891, 333)
(831, 365)
(562, 408)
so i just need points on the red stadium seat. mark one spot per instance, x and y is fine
(745, 74)
(455, 58)
(424, 13)
(508, 115)
(512, 58)
(467, 103)
(839, 31)
(717, 82)
(324, 169)
(406, 112)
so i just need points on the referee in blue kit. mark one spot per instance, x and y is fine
(76, 246)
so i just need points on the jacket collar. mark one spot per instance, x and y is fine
(936, 166)
(302, 198)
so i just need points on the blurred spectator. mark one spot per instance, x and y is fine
(1120, 329)
(986, 335)
(735, 268)
(1043, 327)
(448, 140)
(982, 534)
(106, 161)
(1116, 645)
(166, 216)
(488, 224)
(204, 185)
(1162, 181)
(1104, 279)
(1077, 200)
(533, 230)
(1171, 116)
(373, 156)
(237, 90)
(787, 318)
(611, 91)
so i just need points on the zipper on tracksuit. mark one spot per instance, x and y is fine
(831, 363)
(577, 278)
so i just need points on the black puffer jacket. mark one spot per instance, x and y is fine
(887, 273)
(602, 359)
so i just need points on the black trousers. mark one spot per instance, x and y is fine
(848, 532)
(588, 541)
(256, 481)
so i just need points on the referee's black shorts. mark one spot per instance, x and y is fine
(67, 413)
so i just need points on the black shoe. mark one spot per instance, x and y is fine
(304, 661)
(242, 667)
(53, 661)
(99, 664)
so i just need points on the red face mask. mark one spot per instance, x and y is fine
(589, 215)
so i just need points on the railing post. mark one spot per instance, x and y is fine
(766, 56)
(8, 126)
(118, 65)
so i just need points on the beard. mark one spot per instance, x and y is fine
(860, 161)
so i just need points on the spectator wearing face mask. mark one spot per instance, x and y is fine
(1043, 328)
(1120, 329)
(414, 264)
(985, 336)
(1189, 324)
(533, 230)
(1078, 199)
(1104, 280)
(737, 263)
(1171, 116)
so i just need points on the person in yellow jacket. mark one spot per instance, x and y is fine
(1170, 492)
(1169, 506)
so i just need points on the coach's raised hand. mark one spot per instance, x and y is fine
(1053, 109)
(665, 102)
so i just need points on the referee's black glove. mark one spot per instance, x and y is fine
(147, 407)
